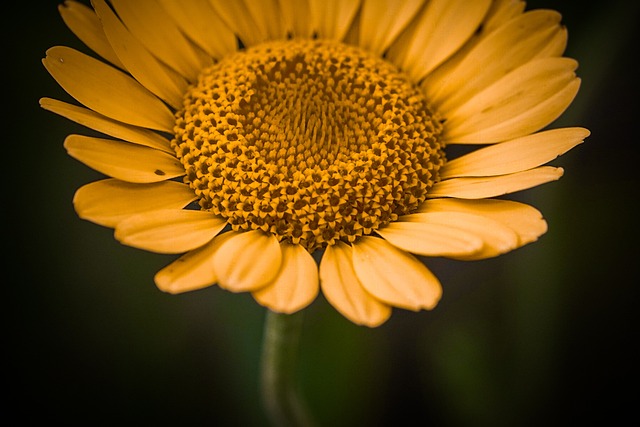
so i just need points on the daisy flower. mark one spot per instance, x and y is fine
(252, 138)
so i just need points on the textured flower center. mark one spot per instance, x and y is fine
(313, 141)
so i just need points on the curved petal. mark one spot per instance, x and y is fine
(122, 160)
(332, 18)
(394, 276)
(531, 35)
(169, 231)
(522, 102)
(158, 32)
(382, 21)
(198, 20)
(193, 270)
(493, 186)
(107, 90)
(436, 237)
(85, 24)
(110, 201)
(441, 29)
(100, 123)
(295, 286)
(496, 237)
(253, 22)
(517, 155)
(525, 220)
(343, 290)
(165, 83)
(247, 261)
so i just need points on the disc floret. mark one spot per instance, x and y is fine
(313, 141)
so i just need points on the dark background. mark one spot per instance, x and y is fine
(543, 334)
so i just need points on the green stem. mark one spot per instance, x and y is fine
(279, 350)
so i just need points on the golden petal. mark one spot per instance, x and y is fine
(247, 261)
(86, 25)
(165, 83)
(296, 18)
(159, 33)
(496, 53)
(110, 201)
(501, 12)
(259, 21)
(169, 231)
(343, 290)
(382, 21)
(198, 20)
(394, 276)
(437, 33)
(122, 160)
(511, 107)
(332, 18)
(103, 124)
(434, 235)
(295, 286)
(496, 237)
(192, 271)
(493, 186)
(106, 90)
(525, 220)
(516, 155)
(527, 121)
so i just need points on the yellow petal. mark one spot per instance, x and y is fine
(193, 270)
(122, 160)
(501, 12)
(198, 20)
(107, 90)
(268, 13)
(436, 85)
(394, 276)
(253, 22)
(516, 155)
(165, 83)
(442, 28)
(493, 186)
(158, 32)
(247, 261)
(108, 126)
(332, 18)
(496, 237)
(382, 21)
(525, 220)
(85, 24)
(437, 236)
(496, 53)
(109, 201)
(524, 101)
(295, 286)
(296, 18)
(169, 231)
(343, 290)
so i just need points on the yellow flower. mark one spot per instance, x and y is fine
(249, 135)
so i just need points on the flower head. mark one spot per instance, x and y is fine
(249, 135)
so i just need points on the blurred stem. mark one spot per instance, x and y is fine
(279, 352)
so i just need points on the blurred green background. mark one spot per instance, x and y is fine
(543, 334)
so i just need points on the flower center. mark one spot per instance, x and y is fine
(313, 141)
